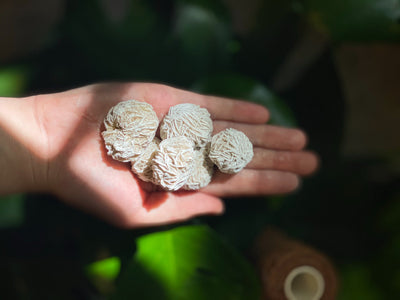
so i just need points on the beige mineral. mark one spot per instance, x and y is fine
(130, 127)
(188, 120)
(142, 166)
(231, 150)
(185, 157)
(203, 170)
(173, 163)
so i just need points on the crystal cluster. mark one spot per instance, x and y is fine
(184, 158)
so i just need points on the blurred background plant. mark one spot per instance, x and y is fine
(329, 67)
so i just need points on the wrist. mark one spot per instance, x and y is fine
(23, 164)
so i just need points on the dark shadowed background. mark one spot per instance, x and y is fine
(329, 67)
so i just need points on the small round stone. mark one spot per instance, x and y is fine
(188, 120)
(130, 126)
(202, 172)
(231, 150)
(142, 166)
(173, 163)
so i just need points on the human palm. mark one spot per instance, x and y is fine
(81, 173)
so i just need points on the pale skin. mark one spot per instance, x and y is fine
(52, 143)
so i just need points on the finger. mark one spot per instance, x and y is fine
(268, 136)
(299, 162)
(161, 97)
(178, 206)
(226, 109)
(252, 182)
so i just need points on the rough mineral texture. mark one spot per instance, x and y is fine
(185, 157)
(188, 120)
(142, 166)
(173, 163)
(130, 127)
(231, 150)
(203, 170)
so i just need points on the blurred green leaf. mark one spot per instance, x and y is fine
(133, 46)
(387, 270)
(107, 268)
(190, 262)
(357, 284)
(242, 87)
(12, 211)
(390, 216)
(12, 81)
(203, 40)
(356, 20)
(103, 273)
(217, 7)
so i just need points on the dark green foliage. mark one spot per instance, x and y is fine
(240, 87)
(356, 20)
(189, 262)
(50, 251)
(11, 211)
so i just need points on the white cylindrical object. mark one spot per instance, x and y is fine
(304, 283)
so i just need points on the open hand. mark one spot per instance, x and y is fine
(78, 170)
